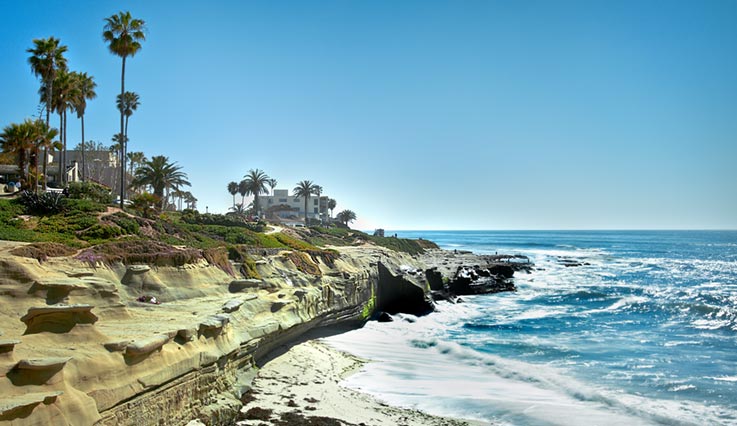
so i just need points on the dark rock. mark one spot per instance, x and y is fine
(396, 294)
(384, 317)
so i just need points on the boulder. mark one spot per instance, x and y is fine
(7, 345)
(57, 318)
(237, 286)
(20, 406)
(147, 345)
(232, 305)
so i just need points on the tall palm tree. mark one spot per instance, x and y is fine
(85, 91)
(135, 158)
(331, 205)
(243, 190)
(318, 191)
(272, 184)
(124, 35)
(127, 103)
(233, 189)
(305, 189)
(161, 175)
(64, 92)
(256, 181)
(47, 57)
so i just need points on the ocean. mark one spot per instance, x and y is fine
(644, 332)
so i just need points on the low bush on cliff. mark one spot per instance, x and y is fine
(42, 251)
(343, 237)
(140, 251)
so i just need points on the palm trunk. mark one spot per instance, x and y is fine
(61, 133)
(83, 163)
(64, 151)
(306, 201)
(125, 150)
(50, 85)
(122, 142)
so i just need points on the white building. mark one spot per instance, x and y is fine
(286, 206)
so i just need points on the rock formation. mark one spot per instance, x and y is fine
(78, 348)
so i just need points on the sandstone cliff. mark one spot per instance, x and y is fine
(78, 348)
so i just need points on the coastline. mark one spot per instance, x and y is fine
(303, 386)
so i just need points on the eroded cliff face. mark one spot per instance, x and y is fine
(78, 348)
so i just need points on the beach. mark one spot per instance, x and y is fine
(303, 386)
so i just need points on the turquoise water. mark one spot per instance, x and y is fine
(645, 332)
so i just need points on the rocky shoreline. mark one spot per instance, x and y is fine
(80, 346)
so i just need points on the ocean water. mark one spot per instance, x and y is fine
(644, 333)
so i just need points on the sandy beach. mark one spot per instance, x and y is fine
(302, 387)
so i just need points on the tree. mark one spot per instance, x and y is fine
(24, 141)
(233, 189)
(305, 189)
(331, 205)
(64, 91)
(47, 57)
(272, 184)
(318, 192)
(161, 175)
(256, 181)
(16, 140)
(135, 158)
(126, 103)
(346, 216)
(124, 35)
(43, 137)
(243, 190)
(85, 91)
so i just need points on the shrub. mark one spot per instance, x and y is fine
(90, 191)
(45, 203)
(140, 251)
(128, 224)
(85, 206)
(100, 231)
(42, 251)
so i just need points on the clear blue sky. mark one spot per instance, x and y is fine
(422, 114)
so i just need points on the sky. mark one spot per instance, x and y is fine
(421, 114)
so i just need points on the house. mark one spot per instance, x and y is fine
(101, 166)
(284, 206)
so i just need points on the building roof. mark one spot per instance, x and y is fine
(9, 169)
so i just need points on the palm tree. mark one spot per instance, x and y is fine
(124, 35)
(272, 184)
(47, 57)
(233, 189)
(305, 189)
(161, 175)
(126, 103)
(331, 205)
(346, 216)
(256, 181)
(190, 200)
(16, 140)
(318, 192)
(85, 91)
(243, 190)
(43, 137)
(135, 158)
(65, 91)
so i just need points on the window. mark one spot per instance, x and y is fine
(315, 210)
(282, 200)
(296, 200)
(315, 201)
